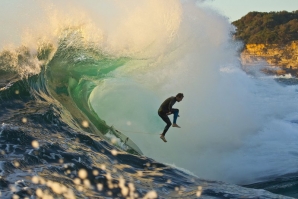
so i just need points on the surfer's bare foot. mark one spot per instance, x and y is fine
(163, 138)
(176, 125)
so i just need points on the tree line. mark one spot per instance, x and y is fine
(267, 28)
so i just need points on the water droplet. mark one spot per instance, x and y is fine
(85, 124)
(24, 120)
(83, 174)
(35, 144)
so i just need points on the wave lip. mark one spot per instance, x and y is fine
(65, 76)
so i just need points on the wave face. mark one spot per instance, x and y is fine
(84, 83)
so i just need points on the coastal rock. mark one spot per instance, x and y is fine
(282, 59)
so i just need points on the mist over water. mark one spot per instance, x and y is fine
(235, 127)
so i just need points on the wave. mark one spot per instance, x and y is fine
(53, 144)
(66, 80)
(68, 96)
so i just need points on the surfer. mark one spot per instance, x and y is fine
(166, 109)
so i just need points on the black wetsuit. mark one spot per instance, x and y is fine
(165, 108)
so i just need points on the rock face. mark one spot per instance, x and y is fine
(284, 57)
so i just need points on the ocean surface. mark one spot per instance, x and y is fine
(80, 86)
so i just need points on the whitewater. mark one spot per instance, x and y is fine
(81, 83)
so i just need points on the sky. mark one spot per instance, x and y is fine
(235, 9)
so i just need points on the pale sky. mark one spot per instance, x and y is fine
(235, 9)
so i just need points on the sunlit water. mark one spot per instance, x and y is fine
(87, 69)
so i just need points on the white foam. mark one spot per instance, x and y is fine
(232, 124)
(227, 116)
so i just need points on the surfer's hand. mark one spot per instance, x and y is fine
(168, 113)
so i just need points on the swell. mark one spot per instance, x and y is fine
(283, 185)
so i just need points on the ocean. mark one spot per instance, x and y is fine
(80, 86)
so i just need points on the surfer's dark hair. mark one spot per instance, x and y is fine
(180, 95)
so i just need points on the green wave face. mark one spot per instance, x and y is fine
(74, 71)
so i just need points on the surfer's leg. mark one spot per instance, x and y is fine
(167, 120)
(169, 123)
(175, 113)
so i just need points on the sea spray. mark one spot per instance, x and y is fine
(141, 52)
(224, 111)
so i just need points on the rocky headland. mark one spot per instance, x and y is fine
(271, 37)
(281, 59)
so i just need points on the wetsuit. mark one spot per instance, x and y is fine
(165, 108)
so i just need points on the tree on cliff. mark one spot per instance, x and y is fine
(267, 28)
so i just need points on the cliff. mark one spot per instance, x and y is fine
(284, 57)
(272, 37)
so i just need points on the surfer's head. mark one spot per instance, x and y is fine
(179, 97)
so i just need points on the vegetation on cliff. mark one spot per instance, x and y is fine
(267, 28)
